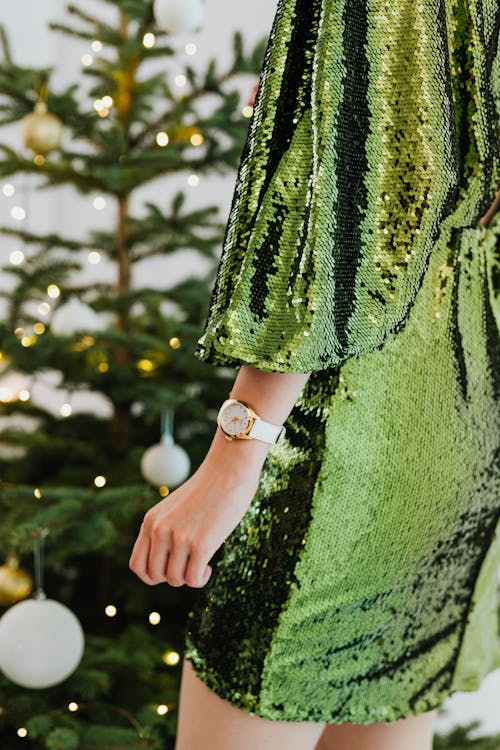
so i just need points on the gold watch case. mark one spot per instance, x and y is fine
(231, 407)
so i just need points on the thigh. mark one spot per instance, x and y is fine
(208, 721)
(410, 733)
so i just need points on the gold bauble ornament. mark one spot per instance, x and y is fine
(42, 131)
(15, 582)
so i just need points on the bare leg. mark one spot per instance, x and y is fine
(410, 733)
(208, 722)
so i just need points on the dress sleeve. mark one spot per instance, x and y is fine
(362, 153)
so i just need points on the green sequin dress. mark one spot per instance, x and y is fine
(361, 584)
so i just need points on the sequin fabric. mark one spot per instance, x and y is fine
(361, 584)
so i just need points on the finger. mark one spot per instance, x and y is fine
(197, 570)
(177, 560)
(160, 547)
(139, 557)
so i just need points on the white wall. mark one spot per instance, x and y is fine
(64, 211)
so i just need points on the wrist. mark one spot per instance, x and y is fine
(244, 455)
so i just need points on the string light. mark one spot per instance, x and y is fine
(146, 365)
(16, 257)
(149, 40)
(18, 213)
(96, 45)
(190, 48)
(94, 257)
(196, 139)
(37, 493)
(99, 203)
(39, 328)
(24, 395)
(154, 618)
(102, 367)
(22, 732)
(19, 332)
(193, 180)
(39, 160)
(44, 308)
(53, 291)
(163, 490)
(73, 706)
(107, 101)
(171, 658)
(162, 138)
(162, 709)
(174, 342)
(99, 481)
(8, 189)
(247, 111)
(87, 59)
(28, 340)
(110, 610)
(180, 80)
(66, 410)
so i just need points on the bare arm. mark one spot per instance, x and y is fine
(181, 533)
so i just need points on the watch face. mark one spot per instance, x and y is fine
(234, 419)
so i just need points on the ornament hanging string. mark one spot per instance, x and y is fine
(167, 424)
(39, 555)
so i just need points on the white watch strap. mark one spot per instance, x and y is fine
(269, 433)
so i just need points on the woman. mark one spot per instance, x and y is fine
(355, 587)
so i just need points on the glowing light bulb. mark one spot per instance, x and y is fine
(163, 490)
(99, 203)
(8, 190)
(149, 40)
(193, 180)
(16, 257)
(96, 45)
(87, 59)
(190, 48)
(73, 706)
(174, 342)
(39, 328)
(22, 732)
(37, 493)
(162, 138)
(107, 101)
(171, 658)
(247, 111)
(53, 291)
(24, 395)
(180, 80)
(66, 410)
(110, 610)
(100, 481)
(94, 257)
(44, 308)
(18, 213)
(196, 139)
(154, 618)
(162, 709)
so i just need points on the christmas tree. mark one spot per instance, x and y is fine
(76, 481)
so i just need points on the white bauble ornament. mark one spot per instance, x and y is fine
(41, 642)
(75, 316)
(177, 16)
(165, 463)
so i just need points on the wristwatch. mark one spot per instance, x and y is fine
(238, 421)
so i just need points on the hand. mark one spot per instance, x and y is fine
(180, 534)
